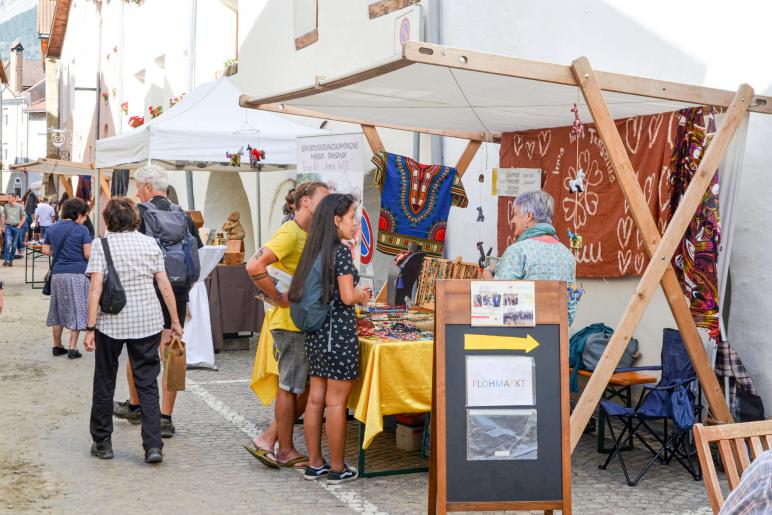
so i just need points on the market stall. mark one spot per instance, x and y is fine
(207, 131)
(483, 97)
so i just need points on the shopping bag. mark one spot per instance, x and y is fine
(174, 365)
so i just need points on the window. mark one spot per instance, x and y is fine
(306, 22)
(378, 8)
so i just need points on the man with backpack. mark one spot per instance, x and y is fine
(282, 252)
(178, 238)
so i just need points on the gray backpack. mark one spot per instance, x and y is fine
(596, 344)
(170, 231)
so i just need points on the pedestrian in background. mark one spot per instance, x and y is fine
(30, 202)
(13, 217)
(332, 350)
(44, 217)
(69, 243)
(139, 264)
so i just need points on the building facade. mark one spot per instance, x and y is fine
(334, 37)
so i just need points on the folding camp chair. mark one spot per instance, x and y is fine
(669, 400)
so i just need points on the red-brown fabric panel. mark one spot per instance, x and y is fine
(612, 244)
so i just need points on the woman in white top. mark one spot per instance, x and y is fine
(137, 260)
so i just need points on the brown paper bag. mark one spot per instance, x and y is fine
(174, 365)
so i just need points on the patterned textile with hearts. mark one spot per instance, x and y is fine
(612, 244)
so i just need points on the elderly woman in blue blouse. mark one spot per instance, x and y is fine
(537, 255)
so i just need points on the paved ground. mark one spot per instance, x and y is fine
(45, 464)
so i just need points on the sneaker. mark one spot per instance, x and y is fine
(5, 263)
(58, 351)
(154, 455)
(167, 428)
(102, 450)
(73, 354)
(314, 473)
(338, 478)
(125, 411)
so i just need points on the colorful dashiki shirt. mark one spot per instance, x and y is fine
(415, 202)
(696, 257)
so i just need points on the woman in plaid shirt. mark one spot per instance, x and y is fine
(138, 260)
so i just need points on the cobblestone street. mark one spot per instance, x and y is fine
(45, 464)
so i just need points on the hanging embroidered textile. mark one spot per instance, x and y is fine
(415, 202)
(612, 245)
(696, 257)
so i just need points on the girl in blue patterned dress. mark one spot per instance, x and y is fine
(537, 255)
(333, 350)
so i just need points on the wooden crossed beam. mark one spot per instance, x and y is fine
(661, 249)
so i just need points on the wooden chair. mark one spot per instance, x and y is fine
(733, 442)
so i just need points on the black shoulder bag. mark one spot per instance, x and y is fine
(113, 298)
(47, 279)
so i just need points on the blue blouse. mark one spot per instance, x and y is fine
(537, 260)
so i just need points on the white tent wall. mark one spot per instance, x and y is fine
(648, 44)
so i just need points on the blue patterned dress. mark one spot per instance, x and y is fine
(539, 259)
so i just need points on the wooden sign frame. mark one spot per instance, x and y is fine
(453, 306)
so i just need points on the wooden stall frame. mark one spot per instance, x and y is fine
(453, 307)
(661, 250)
(591, 83)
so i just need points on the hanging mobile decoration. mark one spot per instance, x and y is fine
(255, 156)
(575, 293)
(575, 239)
(576, 185)
(235, 157)
(481, 179)
(249, 137)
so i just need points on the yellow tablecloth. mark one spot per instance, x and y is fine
(395, 377)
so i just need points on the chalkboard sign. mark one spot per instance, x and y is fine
(500, 423)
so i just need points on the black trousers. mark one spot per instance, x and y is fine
(146, 365)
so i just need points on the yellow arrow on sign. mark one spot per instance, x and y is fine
(488, 342)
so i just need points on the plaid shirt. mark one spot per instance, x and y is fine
(137, 258)
(754, 493)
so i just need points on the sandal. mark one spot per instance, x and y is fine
(264, 456)
(301, 462)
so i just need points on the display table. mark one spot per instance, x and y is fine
(395, 377)
(233, 307)
(199, 346)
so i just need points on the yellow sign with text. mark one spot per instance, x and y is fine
(489, 342)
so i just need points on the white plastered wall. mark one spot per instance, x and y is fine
(715, 45)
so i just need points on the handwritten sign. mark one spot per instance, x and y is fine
(330, 153)
(511, 182)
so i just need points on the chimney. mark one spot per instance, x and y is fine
(15, 67)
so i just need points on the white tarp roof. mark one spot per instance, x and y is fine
(200, 128)
(455, 92)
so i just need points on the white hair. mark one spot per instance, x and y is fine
(155, 176)
(538, 203)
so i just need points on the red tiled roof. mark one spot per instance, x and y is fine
(45, 16)
(58, 28)
(32, 73)
(37, 107)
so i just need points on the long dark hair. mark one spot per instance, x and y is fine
(322, 239)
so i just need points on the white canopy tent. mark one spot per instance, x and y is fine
(195, 134)
(200, 128)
